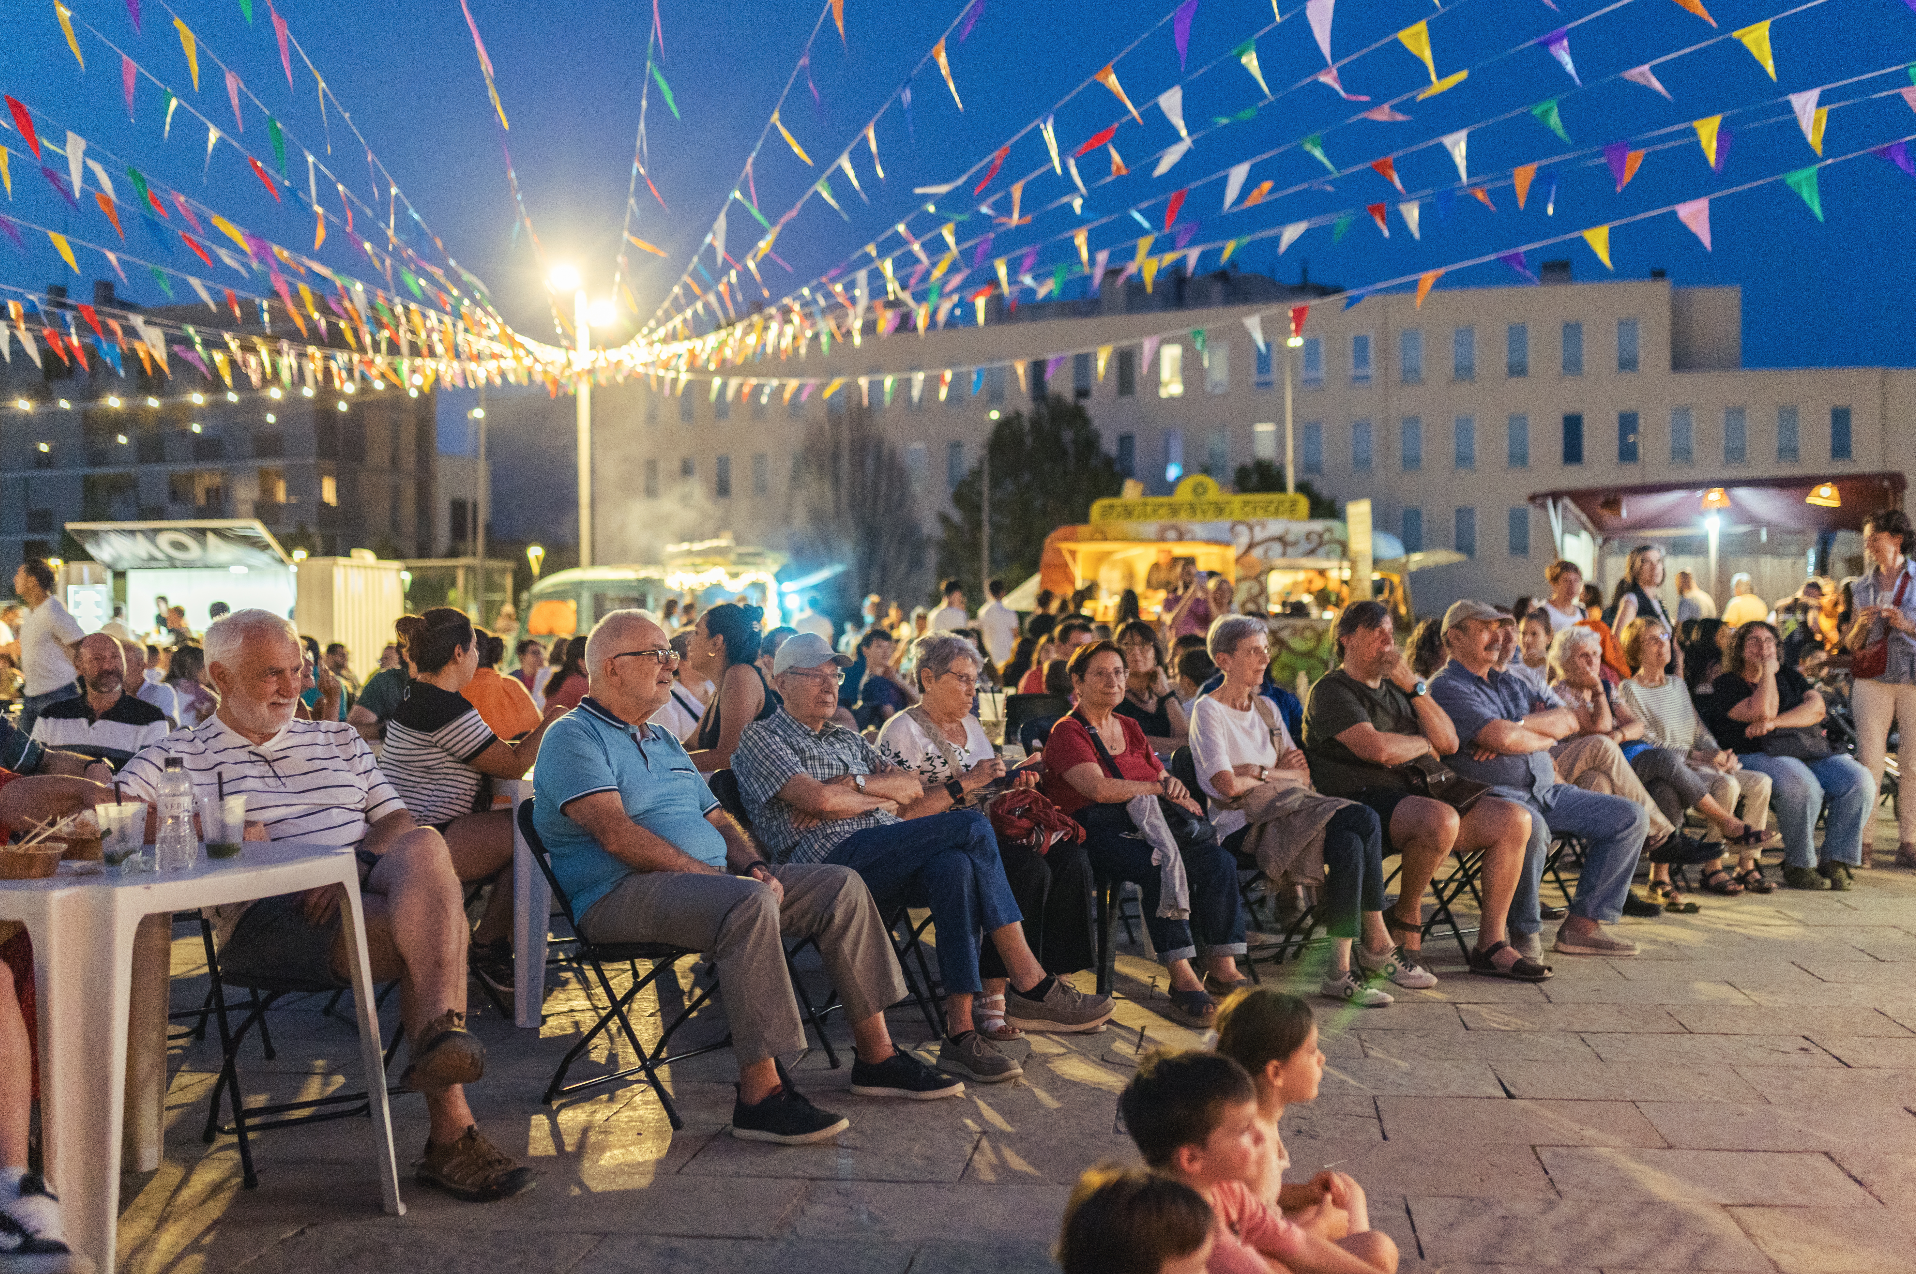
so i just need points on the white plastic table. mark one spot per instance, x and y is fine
(531, 915)
(83, 929)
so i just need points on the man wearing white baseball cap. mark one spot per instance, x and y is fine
(817, 792)
(1506, 745)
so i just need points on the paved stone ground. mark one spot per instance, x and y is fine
(1740, 1097)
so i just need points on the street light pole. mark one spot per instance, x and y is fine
(582, 319)
(984, 524)
(1290, 433)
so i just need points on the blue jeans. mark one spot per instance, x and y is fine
(948, 862)
(1612, 830)
(1800, 789)
(1216, 925)
(31, 705)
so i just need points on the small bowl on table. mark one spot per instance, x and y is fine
(36, 862)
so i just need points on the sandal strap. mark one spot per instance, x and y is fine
(1395, 924)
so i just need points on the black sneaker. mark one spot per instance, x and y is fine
(1682, 850)
(28, 1226)
(492, 964)
(787, 1119)
(903, 1075)
(1641, 908)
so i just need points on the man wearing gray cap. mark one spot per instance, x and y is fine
(1505, 744)
(817, 792)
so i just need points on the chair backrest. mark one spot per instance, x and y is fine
(541, 856)
(724, 785)
(1022, 708)
(1033, 734)
(1184, 770)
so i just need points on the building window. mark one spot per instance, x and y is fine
(1463, 438)
(1173, 454)
(722, 405)
(1517, 450)
(954, 464)
(652, 479)
(1736, 435)
(1573, 349)
(1463, 354)
(1264, 441)
(1682, 436)
(722, 478)
(759, 399)
(40, 521)
(1413, 536)
(1411, 434)
(1789, 446)
(1465, 541)
(917, 464)
(1520, 530)
(1127, 455)
(761, 473)
(1266, 377)
(651, 411)
(1127, 372)
(1360, 359)
(1081, 375)
(329, 493)
(1171, 371)
(1573, 438)
(1313, 360)
(1627, 437)
(1840, 434)
(1313, 459)
(1035, 376)
(995, 385)
(458, 521)
(272, 487)
(688, 469)
(1360, 446)
(1410, 355)
(1217, 453)
(1217, 368)
(685, 408)
(1517, 350)
(1626, 345)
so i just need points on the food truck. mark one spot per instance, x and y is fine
(705, 572)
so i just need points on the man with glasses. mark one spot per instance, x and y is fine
(818, 793)
(646, 854)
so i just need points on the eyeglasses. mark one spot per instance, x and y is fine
(667, 657)
(835, 676)
(969, 683)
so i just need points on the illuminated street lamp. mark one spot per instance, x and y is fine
(536, 556)
(565, 278)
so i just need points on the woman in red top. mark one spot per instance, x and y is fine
(1096, 762)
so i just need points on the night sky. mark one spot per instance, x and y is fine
(570, 77)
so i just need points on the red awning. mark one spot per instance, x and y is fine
(1779, 503)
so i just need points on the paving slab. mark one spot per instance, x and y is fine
(1829, 1240)
(1884, 1162)
(855, 1211)
(1827, 1088)
(1645, 992)
(1609, 1018)
(655, 1255)
(1413, 1047)
(1380, 1075)
(1809, 1125)
(1711, 1050)
(1503, 1123)
(1559, 1234)
(1809, 1178)
(1627, 1081)
(1868, 1050)
(1795, 1019)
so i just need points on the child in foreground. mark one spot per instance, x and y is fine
(1194, 1117)
(1271, 1035)
(1129, 1221)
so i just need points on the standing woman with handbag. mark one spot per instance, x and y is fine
(1259, 783)
(1097, 765)
(1772, 720)
(941, 742)
(1883, 638)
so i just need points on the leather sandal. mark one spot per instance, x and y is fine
(1662, 892)
(1719, 880)
(1522, 969)
(1753, 837)
(1754, 881)
(1195, 1008)
(991, 1020)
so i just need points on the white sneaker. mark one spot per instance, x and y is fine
(1352, 989)
(30, 1238)
(1396, 965)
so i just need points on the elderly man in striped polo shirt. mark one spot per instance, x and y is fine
(317, 782)
(105, 722)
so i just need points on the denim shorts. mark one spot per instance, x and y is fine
(276, 947)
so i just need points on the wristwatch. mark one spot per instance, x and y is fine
(858, 781)
(955, 790)
(1261, 771)
(1421, 689)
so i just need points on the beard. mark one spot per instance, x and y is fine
(101, 683)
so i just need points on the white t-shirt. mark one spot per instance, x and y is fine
(811, 621)
(681, 713)
(163, 697)
(1561, 619)
(1223, 738)
(948, 619)
(998, 624)
(45, 634)
(905, 744)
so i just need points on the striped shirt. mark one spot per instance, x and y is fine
(432, 740)
(113, 736)
(771, 753)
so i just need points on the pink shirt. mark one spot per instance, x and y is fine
(1247, 1230)
(1195, 619)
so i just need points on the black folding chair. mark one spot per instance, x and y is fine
(262, 994)
(1023, 709)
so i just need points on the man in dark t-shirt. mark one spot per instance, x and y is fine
(1374, 714)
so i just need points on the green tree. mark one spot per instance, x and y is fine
(853, 504)
(1046, 469)
(1263, 476)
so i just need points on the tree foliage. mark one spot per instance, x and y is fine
(1263, 476)
(1046, 469)
(853, 504)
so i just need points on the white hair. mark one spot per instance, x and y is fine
(1567, 644)
(1228, 632)
(598, 643)
(226, 637)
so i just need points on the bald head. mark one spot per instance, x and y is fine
(101, 665)
(627, 674)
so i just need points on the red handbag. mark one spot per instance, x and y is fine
(1872, 661)
(1025, 816)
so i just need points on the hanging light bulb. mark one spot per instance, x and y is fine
(1715, 498)
(1824, 496)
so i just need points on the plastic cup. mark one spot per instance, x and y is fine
(222, 825)
(123, 835)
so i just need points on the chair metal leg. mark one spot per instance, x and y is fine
(813, 1014)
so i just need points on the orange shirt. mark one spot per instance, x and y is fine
(503, 704)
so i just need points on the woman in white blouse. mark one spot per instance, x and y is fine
(941, 741)
(1259, 785)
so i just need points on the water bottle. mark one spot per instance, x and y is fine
(175, 847)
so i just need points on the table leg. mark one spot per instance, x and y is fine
(371, 1054)
(84, 981)
(531, 921)
(146, 1042)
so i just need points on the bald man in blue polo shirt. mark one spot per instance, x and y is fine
(646, 854)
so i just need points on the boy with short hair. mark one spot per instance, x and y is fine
(1194, 1118)
(1129, 1221)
